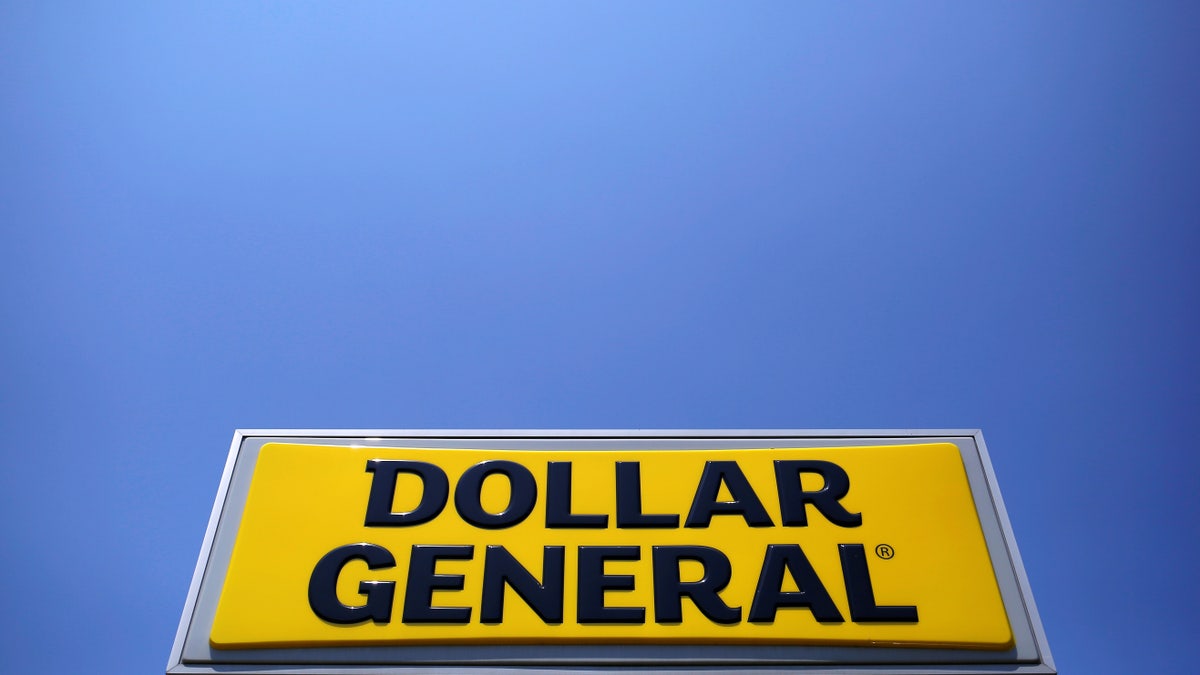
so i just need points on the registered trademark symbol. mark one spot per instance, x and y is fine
(884, 551)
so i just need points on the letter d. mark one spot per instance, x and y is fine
(435, 489)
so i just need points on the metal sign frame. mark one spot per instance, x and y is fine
(192, 654)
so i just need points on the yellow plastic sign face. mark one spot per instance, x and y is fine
(846, 546)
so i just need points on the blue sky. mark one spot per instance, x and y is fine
(586, 215)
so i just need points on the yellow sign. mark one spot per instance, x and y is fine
(846, 546)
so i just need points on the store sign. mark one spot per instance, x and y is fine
(604, 548)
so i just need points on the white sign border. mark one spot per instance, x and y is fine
(191, 655)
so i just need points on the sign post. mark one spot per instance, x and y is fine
(780, 551)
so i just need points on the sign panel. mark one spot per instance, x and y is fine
(356, 550)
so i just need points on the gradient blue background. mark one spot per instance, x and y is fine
(640, 215)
